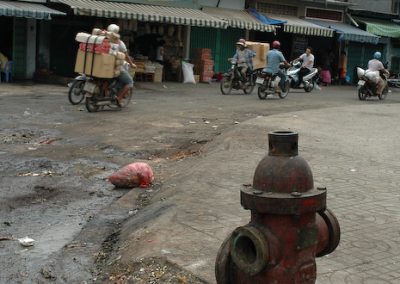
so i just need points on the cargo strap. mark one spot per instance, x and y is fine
(93, 53)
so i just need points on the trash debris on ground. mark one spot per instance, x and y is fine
(6, 238)
(26, 241)
(135, 174)
(48, 141)
(76, 244)
(48, 273)
(45, 173)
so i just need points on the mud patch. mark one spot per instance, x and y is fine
(112, 151)
(150, 270)
(27, 136)
(189, 149)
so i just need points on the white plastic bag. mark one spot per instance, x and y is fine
(188, 76)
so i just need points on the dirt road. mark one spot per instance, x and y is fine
(55, 159)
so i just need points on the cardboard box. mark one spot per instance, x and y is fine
(261, 49)
(158, 74)
(103, 64)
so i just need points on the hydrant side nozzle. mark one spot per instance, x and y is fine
(329, 230)
(249, 249)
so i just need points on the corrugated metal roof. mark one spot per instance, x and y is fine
(348, 32)
(299, 26)
(238, 19)
(148, 13)
(27, 10)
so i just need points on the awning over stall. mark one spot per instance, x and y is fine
(148, 13)
(348, 32)
(295, 25)
(238, 19)
(380, 27)
(27, 10)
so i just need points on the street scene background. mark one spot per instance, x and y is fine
(202, 146)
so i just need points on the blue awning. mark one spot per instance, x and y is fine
(27, 10)
(348, 32)
(264, 19)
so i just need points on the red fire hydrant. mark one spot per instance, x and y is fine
(290, 224)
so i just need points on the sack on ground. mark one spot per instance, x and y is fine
(188, 76)
(133, 175)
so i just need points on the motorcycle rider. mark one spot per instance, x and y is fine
(274, 59)
(307, 59)
(124, 78)
(376, 65)
(244, 58)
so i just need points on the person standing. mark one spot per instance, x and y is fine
(342, 67)
(307, 64)
(160, 52)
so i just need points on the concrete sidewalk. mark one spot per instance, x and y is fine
(353, 151)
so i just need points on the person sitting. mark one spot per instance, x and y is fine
(307, 59)
(274, 59)
(244, 58)
(124, 78)
(376, 65)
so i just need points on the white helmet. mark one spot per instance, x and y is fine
(113, 28)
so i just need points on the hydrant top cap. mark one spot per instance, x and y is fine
(283, 143)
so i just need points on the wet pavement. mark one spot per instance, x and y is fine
(202, 146)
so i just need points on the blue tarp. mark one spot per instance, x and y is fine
(264, 19)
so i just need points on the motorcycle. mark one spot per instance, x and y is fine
(268, 84)
(367, 84)
(233, 80)
(101, 92)
(75, 92)
(308, 80)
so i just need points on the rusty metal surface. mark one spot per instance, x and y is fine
(289, 222)
(283, 203)
(283, 174)
(283, 143)
(282, 170)
(333, 231)
(249, 249)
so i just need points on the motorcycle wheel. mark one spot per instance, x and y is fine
(308, 87)
(226, 86)
(91, 105)
(284, 94)
(362, 93)
(262, 95)
(75, 93)
(248, 88)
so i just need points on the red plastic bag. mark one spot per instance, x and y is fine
(132, 175)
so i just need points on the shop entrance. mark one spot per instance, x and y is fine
(6, 42)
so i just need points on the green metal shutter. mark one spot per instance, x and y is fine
(359, 55)
(19, 48)
(221, 42)
(227, 46)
